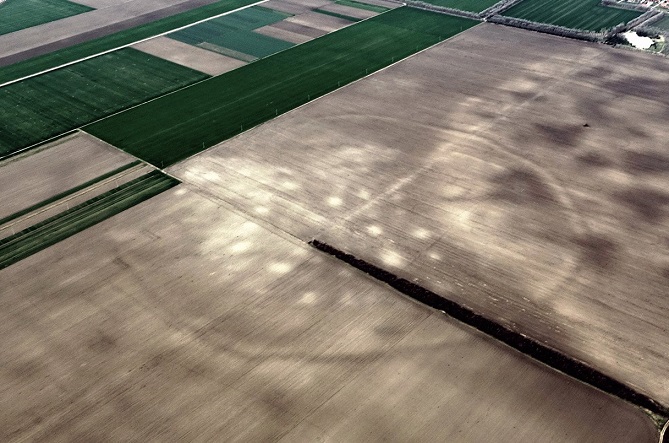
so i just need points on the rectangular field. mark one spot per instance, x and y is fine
(179, 125)
(96, 46)
(464, 5)
(360, 5)
(21, 14)
(663, 23)
(587, 15)
(47, 105)
(523, 175)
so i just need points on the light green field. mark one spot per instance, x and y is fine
(464, 5)
(176, 126)
(587, 15)
(50, 104)
(20, 14)
(662, 23)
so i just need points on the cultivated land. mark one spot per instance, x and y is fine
(469, 169)
(187, 55)
(33, 53)
(464, 5)
(19, 14)
(180, 319)
(662, 24)
(55, 168)
(58, 101)
(577, 14)
(181, 124)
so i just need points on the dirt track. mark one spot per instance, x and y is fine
(181, 320)
(520, 174)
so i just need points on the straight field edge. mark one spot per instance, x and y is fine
(538, 351)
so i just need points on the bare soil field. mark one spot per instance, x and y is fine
(282, 34)
(349, 11)
(54, 168)
(519, 174)
(299, 29)
(49, 37)
(188, 55)
(319, 21)
(180, 319)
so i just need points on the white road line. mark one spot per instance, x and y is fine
(129, 44)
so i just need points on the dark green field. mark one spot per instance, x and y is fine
(50, 104)
(235, 31)
(76, 52)
(587, 15)
(464, 5)
(662, 23)
(20, 14)
(179, 125)
(78, 218)
(361, 5)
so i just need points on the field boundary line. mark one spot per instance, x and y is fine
(64, 65)
(327, 93)
(522, 343)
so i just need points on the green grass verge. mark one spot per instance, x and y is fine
(177, 126)
(586, 15)
(20, 14)
(464, 5)
(80, 217)
(44, 106)
(82, 50)
(360, 5)
(64, 194)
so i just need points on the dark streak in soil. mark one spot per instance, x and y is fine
(526, 345)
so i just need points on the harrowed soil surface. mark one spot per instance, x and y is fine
(519, 174)
(181, 319)
(181, 124)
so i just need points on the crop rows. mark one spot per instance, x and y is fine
(587, 15)
(58, 101)
(20, 14)
(80, 217)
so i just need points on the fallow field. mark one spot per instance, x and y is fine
(178, 125)
(587, 15)
(522, 175)
(464, 5)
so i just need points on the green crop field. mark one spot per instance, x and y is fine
(50, 104)
(181, 124)
(360, 5)
(57, 228)
(20, 14)
(662, 23)
(587, 15)
(464, 5)
(79, 51)
(235, 32)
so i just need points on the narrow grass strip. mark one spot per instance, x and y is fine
(96, 46)
(80, 217)
(360, 5)
(71, 191)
